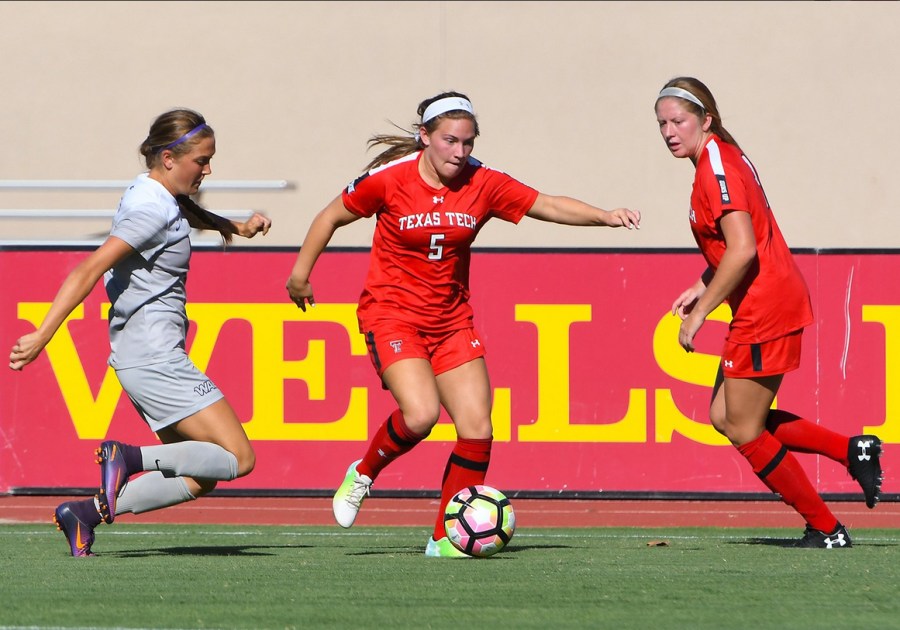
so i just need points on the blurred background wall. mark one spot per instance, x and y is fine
(564, 92)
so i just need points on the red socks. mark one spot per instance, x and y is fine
(467, 466)
(782, 474)
(803, 436)
(391, 440)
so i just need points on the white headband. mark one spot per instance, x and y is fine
(444, 105)
(679, 93)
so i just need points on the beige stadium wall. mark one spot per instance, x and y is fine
(564, 92)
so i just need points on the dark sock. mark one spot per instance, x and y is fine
(467, 466)
(783, 475)
(804, 436)
(86, 511)
(132, 456)
(392, 440)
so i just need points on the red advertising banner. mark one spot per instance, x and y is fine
(592, 392)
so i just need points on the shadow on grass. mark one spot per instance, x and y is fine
(209, 551)
(769, 542)
(406, 551)
(388, 551)
(518, 548)
(792, 543)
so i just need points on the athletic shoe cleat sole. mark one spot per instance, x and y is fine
(864, 454)
(113, 475)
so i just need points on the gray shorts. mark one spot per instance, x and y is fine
(164, 393)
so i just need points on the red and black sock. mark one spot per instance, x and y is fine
(774, 464)
(392, 440)
(467, 466)
(803, 436)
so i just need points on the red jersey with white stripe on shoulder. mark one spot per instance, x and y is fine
(419, 265)
(773, 299)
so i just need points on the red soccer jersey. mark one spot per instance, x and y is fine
(419, 266)
(773, 299)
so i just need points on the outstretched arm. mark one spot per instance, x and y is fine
(75, 288)
(569, 211)
(322, 228)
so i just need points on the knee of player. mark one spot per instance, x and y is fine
(474, 428)
(246, 461)
(718, 420)
(202, 487)
(421, 421)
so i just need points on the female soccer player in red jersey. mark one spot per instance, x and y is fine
(750, 267)
(430, 198)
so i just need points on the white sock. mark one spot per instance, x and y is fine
(152, 491)
(202, 460)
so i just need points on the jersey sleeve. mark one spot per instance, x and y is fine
(723, 184)
(144, 227)
(510, 199)
(364, 196)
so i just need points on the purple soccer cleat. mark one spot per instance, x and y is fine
(113, 475)
(79, 533)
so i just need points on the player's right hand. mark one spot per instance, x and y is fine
(25, 350)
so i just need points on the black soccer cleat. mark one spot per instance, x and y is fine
(815, 539)
(864, 453)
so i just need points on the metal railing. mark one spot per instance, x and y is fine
(198, 237)
(105, 184)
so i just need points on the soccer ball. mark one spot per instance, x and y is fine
(479, 521)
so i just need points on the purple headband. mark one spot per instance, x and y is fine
(185, 137)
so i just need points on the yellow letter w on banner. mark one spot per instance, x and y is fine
(90, 416)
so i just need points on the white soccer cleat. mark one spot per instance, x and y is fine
(349, 497)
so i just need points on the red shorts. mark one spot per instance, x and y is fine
(749, 360)
(392, 341)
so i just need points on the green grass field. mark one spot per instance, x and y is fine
(205, 576)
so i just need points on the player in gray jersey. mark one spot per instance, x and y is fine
(144, 264)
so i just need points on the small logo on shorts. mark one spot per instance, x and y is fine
(728, 364)
(396, 345)
(204, 388)
(475, 343)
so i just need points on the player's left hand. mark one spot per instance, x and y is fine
(300, 292)
(256, 224)
(623, 217)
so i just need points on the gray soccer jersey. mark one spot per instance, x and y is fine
(147, 321)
